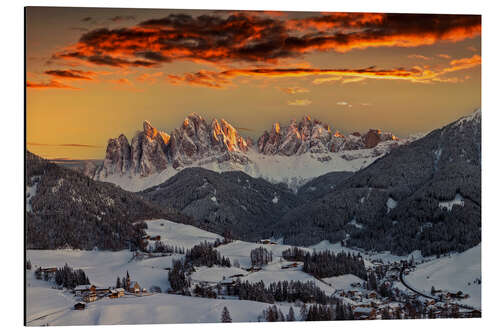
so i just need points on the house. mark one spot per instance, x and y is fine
(101, 290)
(364, 313)
(155, 238)
(79, 306)
(49, 270)
(372, 294)
(116, 293)
(90, 297)
(80, 289)
(134, 287)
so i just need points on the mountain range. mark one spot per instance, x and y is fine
(422, 194)
(153, 156)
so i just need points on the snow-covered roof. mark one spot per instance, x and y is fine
(363, 310)
(82, 287)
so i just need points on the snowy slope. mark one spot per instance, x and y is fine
(452, 273)
(177, 234)
(293, 170)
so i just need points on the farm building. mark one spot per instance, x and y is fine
(116, 293)
(134, 287)
(90, 297)
(79, 306)
(364, 313)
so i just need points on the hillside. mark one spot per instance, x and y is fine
(66, 208)
(425, 195)
(225, 202)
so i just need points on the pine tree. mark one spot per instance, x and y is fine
(303, 312)
(118, 282)
(291, 315)
(226, 317)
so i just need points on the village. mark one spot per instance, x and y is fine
(382, 294)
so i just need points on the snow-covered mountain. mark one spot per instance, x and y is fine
(293, 154)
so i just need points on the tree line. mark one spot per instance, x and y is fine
(326, 263)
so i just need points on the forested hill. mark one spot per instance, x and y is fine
(422, 196)
(66, 208)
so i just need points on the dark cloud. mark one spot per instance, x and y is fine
(246, 37)
(52, 84)
(86, 19)
(71, 74)
(120, 18)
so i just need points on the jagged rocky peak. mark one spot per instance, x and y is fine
(313, 136)
(153, 133)
(197, 139)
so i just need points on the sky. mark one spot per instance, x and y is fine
(95, 73)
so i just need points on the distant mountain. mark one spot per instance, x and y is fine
(310, 146)
(66, 208)
(422, 196)
(225, 202)
(315, 137)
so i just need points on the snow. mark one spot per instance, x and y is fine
(448, 205)
(354, 223)
(294, 171)
(343, 281)
(177, 234)
(385, 256)
(215, 274)
(451, 273)
(391, 204)
(275, 200)
(46, 305)
(154, 309)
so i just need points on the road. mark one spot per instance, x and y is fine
(401, 275)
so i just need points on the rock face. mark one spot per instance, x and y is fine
(315, 137)
(197, 139)
(152, 151)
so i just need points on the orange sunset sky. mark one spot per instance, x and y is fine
(94, 73)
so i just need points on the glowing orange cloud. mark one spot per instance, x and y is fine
(415, 74)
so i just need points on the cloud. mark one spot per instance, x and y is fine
(416, 74)
(300, 102)
(326, 79)
(443, 56)
(342, 103)
(122, 81)
(257, 38)
(52, 84)
(202, 78)
(419, 56)
(71, 74)
(464, 63)
(120, 18)
(295, 90)
(353, 80)
(149, 77)
(77, 145)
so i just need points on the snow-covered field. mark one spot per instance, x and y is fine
(453, 273)
(46, 305)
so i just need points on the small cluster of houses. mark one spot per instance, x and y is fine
(91, 293)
